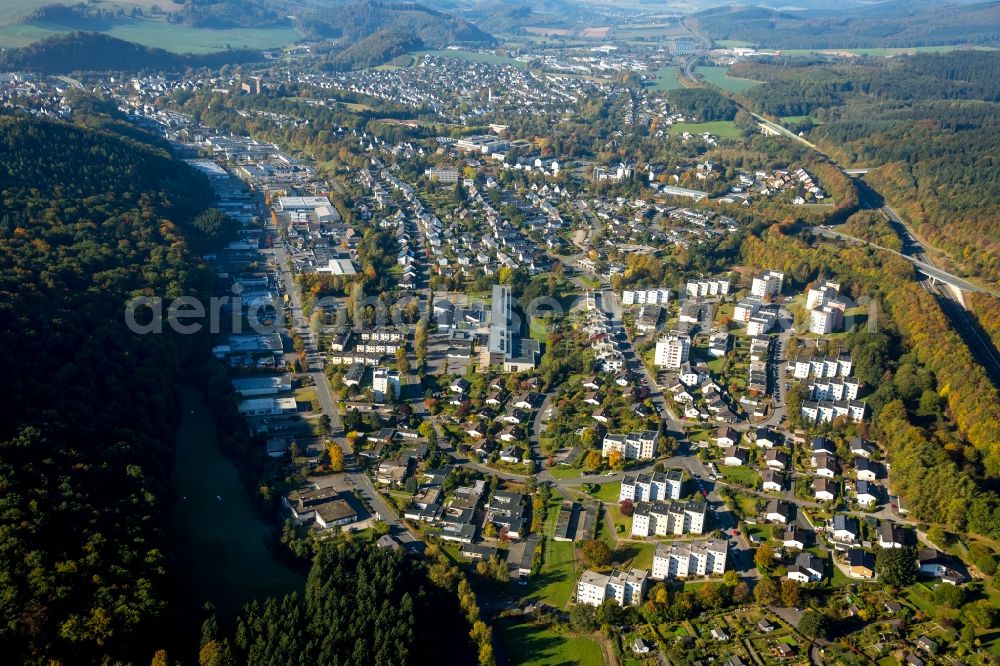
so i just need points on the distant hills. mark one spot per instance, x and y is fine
(96, 52)
(360, 21)
(897, 23)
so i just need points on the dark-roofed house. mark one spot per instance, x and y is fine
(778, 511)
(808, 568)
(860, 563)
(891, 535)
(520, 558)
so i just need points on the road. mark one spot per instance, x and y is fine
(947, 294)
(356, 477)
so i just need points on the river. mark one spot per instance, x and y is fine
(219, 538)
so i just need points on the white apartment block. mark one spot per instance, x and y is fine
(385, 380)
(746, 309)
(662, 519)
(626, 588)
(633, 446)
(819, 368)
(646, 297)
(701, 288)
(656, 487)
(767, 284)
(825, 411)
(818, 296)
(835, 389)
(761, 324)
(696, 558)
(826, 320)
(672, 351)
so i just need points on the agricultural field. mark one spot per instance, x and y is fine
(724, 129)
(157, 33)
(885, 53)
(666, 79)
(719, 77)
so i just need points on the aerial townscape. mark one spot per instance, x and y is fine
(482, 332)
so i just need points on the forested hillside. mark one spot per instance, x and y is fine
(96, 52)
(934, 408)
(929, 123)
(902, 23)
(87, 219)
(365, 605)
(355, 22)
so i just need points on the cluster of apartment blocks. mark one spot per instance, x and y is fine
(677, 560)
(833, 391)
(633, 446)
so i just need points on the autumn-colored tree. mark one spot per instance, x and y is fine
(764, 559)
(336, 456)
(596, 552)
(616, 460)
(791, 593)
(593, 460)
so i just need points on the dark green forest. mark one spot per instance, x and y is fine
(930, 123)
(362, 605)
(357, 21)
(88, 218)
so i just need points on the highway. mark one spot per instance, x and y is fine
(944, 286)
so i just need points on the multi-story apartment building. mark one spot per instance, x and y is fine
(656, 487)
(696, 558)
(626, 588)
(634, 445)
(672, 350)
(662, 519)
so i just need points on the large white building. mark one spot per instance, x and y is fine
(656, 487)
(834, 388)
(626, 588)
(662, 519)
(633, 446)
(746, 309)
(767, 284)
(826, 308)
(713, 287)
(819, 368)
(646, 297)
(385, 380)
(818, 296)
(825, 411)
(672, 351)
(695, 558)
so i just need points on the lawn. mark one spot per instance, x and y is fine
(634, 555)
(719, 77)
(742, 475)
(608, 492)
(724, 129)
(526, 643)
(153, 32)
(666, 79)
(565, 472)
(539, 330)
(557, 579)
